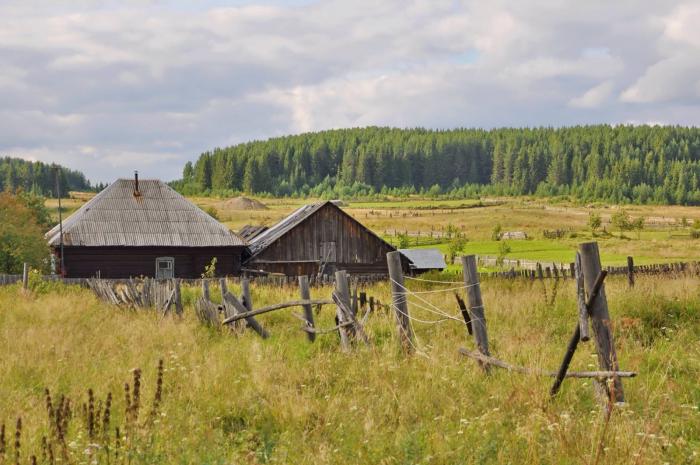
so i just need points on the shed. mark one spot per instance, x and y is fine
(318, 238)
(422, 260)
(143, 228)
(514, 235)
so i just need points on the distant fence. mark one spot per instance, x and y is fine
(270, 279)
(519, 269)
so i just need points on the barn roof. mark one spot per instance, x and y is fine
(249, 231)
(425, 259)
(263, 240)
(158, 216)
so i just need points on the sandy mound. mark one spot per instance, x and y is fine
(244, 203)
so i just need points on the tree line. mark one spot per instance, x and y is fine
(640, 164)
(39, 178)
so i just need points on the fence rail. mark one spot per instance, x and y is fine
(520, 269)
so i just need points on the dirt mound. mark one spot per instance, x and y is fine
(244, 203)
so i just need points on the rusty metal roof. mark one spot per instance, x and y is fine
(158, 216)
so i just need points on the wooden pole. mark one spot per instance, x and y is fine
(581, 300)
(630, 271)
(248, 305)
(205, 290)
(579, 331)
(308, 313)
(25, 276)
(178, 298)
(600, 318)
(476, 304)
(343, 311)
(398, 292)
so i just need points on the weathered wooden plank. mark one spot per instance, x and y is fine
(400, 303)
(305, 294)
(600, 319)
(476, 303)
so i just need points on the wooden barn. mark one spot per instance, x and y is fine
(316, 239)
(143, 228)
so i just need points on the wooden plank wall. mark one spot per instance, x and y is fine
(299, 251)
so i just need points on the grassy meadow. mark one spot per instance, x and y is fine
(240, 399)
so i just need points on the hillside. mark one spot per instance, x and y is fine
(640, 164)
(39, 178)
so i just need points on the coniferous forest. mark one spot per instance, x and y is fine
(640, 164)
(39, 178)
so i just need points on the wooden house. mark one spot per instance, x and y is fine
(316, 239)
(143, 228)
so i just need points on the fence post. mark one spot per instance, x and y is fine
(205, 290)
(178, 298)
(25, 276)
(343, 294)
(248, 305)
(600, 318)
(308, 314)
(630, 271)
(398, 293)
(476, 304)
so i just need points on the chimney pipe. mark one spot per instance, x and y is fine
(136, 184)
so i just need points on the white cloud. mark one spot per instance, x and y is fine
(594, 97)
(143, 85)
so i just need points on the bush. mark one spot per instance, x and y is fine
(21, 236)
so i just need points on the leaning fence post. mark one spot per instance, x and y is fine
(630, 271)
(308, 313)
(600, 318)
(476, 304)
(25, 276)
(343, 294)
(400, 304)
(248, 304)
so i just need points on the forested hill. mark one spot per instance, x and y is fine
(39, 178)
(613, 163)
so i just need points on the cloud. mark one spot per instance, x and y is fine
(108, 87)
(594, 97)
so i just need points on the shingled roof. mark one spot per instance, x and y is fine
(157, 216)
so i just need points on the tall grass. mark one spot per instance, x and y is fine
(239, 399)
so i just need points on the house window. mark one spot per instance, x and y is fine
(328, 252)
(165, 268)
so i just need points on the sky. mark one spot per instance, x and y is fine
(110, 87)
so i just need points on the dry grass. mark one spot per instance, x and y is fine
(243, 400)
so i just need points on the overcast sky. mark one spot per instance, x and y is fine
(108, 87)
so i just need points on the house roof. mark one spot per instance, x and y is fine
(424, 259)
(158, 216)
(260, 242)
(249, 231)
(266, 238)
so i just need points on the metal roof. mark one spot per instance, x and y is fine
(264, 239)
(425, 259)
(159, 216)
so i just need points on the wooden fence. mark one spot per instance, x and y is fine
(519, 269)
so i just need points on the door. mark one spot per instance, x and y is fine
(165, 268)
